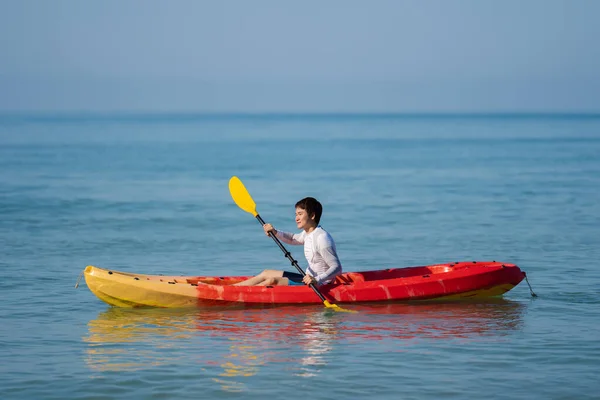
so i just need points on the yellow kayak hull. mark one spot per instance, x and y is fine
(122, 289)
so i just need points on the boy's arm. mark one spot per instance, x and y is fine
(290, 238)
(327, 251)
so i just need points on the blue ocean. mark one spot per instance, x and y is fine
(149, 194)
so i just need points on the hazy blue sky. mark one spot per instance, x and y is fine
(300, 56)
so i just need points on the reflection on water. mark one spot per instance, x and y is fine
(233, 344)
(444, 320)
(114, 337)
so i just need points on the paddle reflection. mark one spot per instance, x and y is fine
(230, 345)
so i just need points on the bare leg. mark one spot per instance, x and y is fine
(260, 278)
(275, 282)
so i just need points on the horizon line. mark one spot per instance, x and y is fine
(200, 114)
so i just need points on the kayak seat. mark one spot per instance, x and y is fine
(349, 278)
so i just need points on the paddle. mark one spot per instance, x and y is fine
(242, 198)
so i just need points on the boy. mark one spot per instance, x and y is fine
(319, 249)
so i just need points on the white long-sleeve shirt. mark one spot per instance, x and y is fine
(319, 250)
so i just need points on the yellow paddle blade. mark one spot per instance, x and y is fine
(335, 307)
(241, 196)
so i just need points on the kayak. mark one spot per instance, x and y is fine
(470, 279)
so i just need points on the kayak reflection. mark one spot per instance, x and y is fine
(443, 320)
(130, 339)
(228, 345)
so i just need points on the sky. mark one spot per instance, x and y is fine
(282, 56)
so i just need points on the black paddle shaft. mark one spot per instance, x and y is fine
(288, 255)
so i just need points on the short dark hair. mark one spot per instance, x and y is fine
(311, 206)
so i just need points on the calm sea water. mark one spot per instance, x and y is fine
(149, 194)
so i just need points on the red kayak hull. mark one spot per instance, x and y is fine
(442, 281)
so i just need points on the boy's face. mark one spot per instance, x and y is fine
(303, 221)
